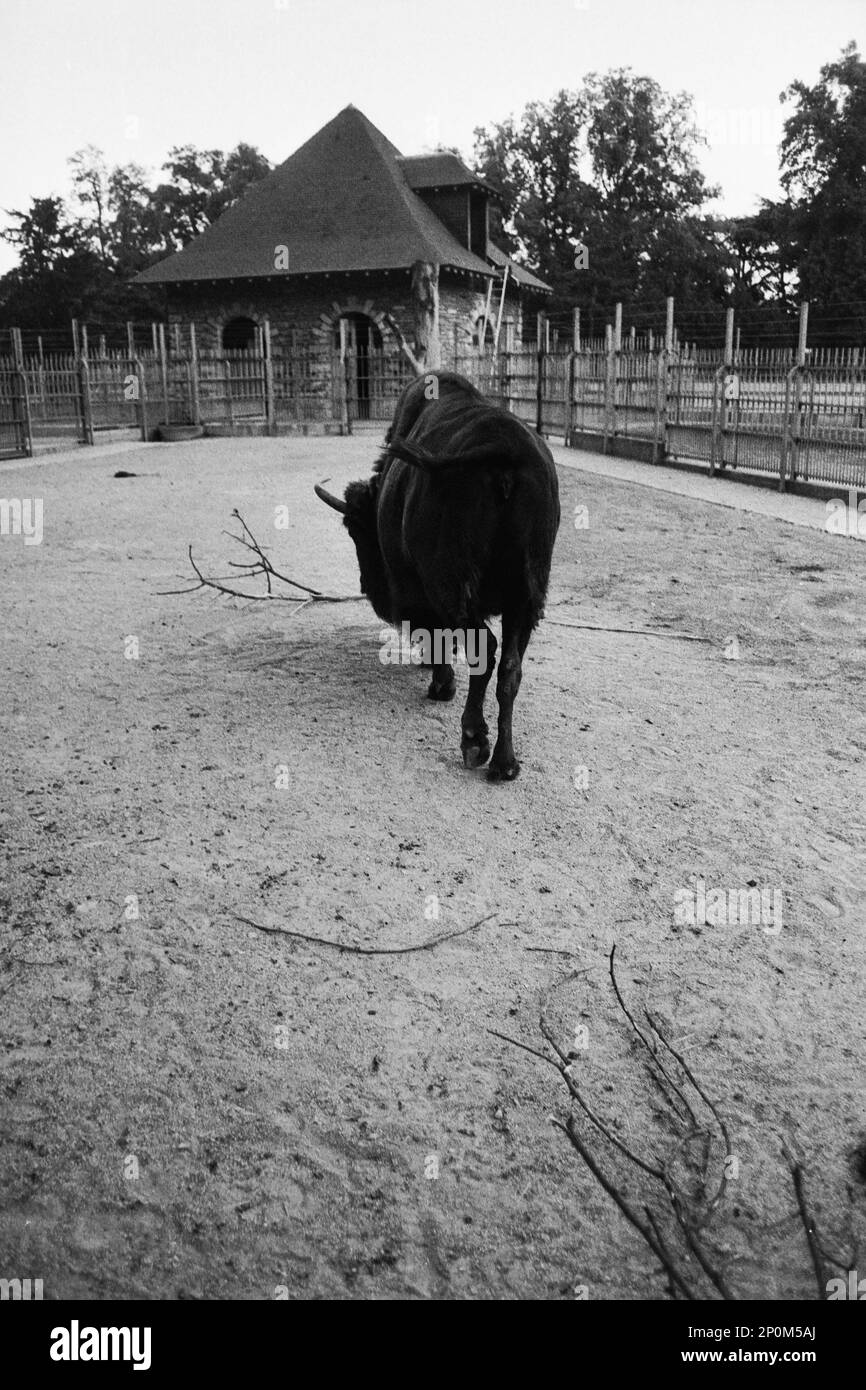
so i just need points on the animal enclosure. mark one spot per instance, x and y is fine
(761, 412)
(200, 1105)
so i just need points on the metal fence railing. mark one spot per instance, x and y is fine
(763, 412)
(16, 439)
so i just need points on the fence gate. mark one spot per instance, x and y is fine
(374, 380)
(15, 438)
(58, 398)
(114, 387)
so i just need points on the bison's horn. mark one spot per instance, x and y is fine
(329, 499)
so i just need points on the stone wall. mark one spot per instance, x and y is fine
(305, 312)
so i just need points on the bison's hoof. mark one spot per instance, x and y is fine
(442, 692)
(475, 754)
(504, 773)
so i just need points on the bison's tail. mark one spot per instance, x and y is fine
(432, 463)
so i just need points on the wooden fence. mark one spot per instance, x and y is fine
(763, 410)
(76, 398)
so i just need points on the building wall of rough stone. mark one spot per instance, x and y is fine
(306, 313)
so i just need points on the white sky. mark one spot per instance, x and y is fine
(136, 78)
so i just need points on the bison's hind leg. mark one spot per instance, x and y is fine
(481, 659)
(517, 626)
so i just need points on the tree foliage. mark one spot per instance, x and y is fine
(77, 261)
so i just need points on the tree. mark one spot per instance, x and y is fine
(90, 184)
(822, 222)
(79, 263)
(57, 269)
(614, 166)
(203, 184)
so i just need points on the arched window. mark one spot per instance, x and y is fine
(239, 333)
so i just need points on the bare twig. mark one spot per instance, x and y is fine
(630, 631)
(708, 1102)
(653, 1052)
(251, 569)
(370, 950)
(796, 1170)
(628, 1211)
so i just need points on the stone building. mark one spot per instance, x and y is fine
(350, 246)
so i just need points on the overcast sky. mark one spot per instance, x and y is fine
(136, 78)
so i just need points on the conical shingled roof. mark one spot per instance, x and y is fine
(339, 203)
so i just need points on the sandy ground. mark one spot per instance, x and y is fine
(195, 1108)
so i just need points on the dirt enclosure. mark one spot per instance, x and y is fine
(195, 1107)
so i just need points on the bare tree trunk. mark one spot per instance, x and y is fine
(425, 312)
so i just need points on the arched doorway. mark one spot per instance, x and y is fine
(488, 332)
(240, 335)
(359, 337)
(243, 367)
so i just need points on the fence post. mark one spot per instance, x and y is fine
(193, 376)
(786, 429)
(729, 338)
(42, 407)
(227, 382)
(342, 375)
(86, 402)
(617, 328)
(660, 426)
(17, 348)
(669, 324)
(26, 421)
(270, 415)
(130, 339)
(803, 334)
(142, 395)
(163, 368)
(793, 394)
(717, 422)
(609, 424)
(569, 406)
(539, 384)
(76, 343)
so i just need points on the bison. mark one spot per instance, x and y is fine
(456, 525)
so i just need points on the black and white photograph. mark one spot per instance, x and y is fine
(433, 665)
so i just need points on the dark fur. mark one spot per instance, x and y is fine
(456, 525)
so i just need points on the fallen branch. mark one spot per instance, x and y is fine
(251, 569)
(630, 631)
(680, 1243)
(818, 1265)
(427, 945)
